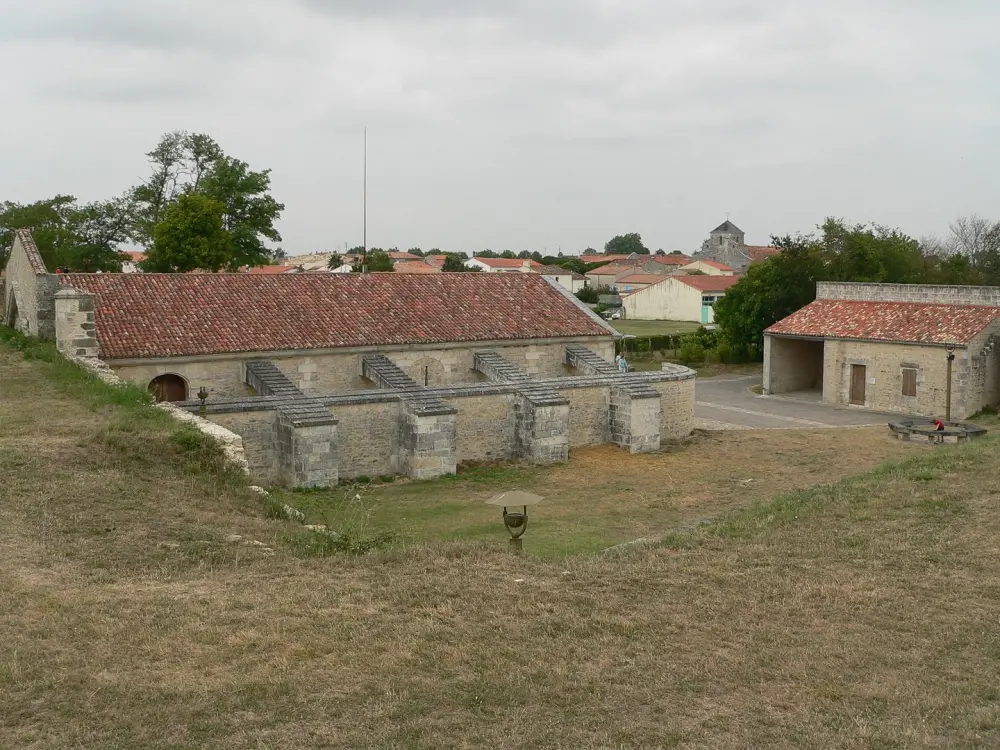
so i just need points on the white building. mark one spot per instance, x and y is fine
(678, 298)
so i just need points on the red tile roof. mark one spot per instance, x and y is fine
(415, 266)
(31, 250)
(509, 262)
(271, 270)
(708, 283)
(612, 269)
(716, 264)
(402, 255)
(164, 315)
(758, 253)
(910, 322)
(640, 278)
(673, 260)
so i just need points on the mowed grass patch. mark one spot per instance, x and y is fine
(654, 327)
(604, 497)
(858, 614)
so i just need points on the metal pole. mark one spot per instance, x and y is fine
(364, 215)
(947, 397)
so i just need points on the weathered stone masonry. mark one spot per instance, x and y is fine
(534, 414)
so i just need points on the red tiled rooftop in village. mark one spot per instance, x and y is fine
(758, 253)
(708, 283)
(509, 262)
(716, 264)
(673, 260)
(612, 269)
(272, 270)
(640, 278)
(911, 322)
(415, 266)
(163, 315)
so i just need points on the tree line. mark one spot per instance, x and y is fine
(839, 251)
(198, 209)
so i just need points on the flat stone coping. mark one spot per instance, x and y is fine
(233, 404)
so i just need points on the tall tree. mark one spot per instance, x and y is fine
(190, 236)
(193, 163)
(69, 236)
(249, 211)
(454, 262)
(376, 261)
(626, 244)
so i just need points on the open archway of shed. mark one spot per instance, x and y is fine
(169, 388)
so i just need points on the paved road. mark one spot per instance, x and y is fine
(728, 403)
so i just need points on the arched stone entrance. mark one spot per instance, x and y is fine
(427, 371)
(169, 388)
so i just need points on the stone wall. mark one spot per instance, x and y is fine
(74, 323)
(340, 372)
(929, 293)
(677, 399)
(589, 422)
(259, 444)
(28, 290)
(884, 365)
(485, 428)
(792, 364)
(368, 440)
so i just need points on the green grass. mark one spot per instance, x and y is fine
(640, 328)
(146, 600)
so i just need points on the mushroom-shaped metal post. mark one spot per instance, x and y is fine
(516, 521)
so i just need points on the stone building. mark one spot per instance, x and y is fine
(329, 376)
(726, 244)
(886, 347)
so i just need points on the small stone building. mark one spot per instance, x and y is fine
(329, 376)
(886, 347)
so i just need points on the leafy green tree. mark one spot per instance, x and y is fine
(335, 261)
(416, 251)
(626, 244)
(193, 163)
(69, 236)
(455, 263)
(190, 236)
(376, 261)
(588, 294)
(249, 211)
(782, 284)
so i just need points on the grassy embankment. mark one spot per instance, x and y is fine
(862, 613)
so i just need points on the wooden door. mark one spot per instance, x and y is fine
(858, 373)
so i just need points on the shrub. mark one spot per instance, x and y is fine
(588, 294)
(691, 351)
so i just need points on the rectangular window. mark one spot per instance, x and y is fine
(909, 381)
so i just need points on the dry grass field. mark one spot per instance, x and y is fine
(860, 613)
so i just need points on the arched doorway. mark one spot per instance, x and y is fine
(169, 388)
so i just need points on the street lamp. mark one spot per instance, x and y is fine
(515, 521)
(950, 348)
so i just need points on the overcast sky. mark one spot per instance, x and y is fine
(521, 124)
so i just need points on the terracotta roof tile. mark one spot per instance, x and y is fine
(163, 315)
(640, 278)
(271, 270)
(708, 283)
(673, 260)
(761, 252)
(509, 262)
(911, 322)
(415, 266)
(716, 264)
(31, 250)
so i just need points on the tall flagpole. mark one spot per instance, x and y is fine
(364, 217)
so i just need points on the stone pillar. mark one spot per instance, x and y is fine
(542, 429)
(635, 419)
(307, 451)
(75, 332)
(428, 440)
